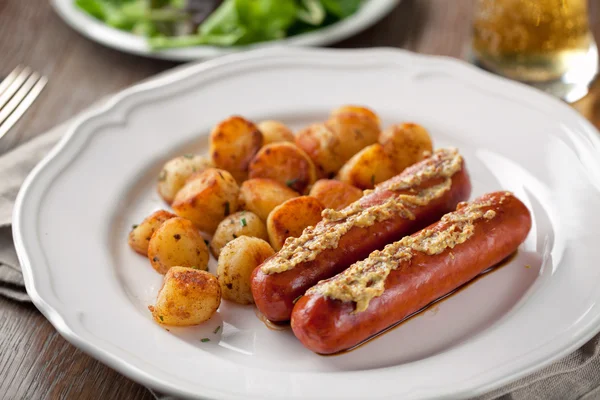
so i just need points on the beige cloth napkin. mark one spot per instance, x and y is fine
(575, 377)
(14, 167)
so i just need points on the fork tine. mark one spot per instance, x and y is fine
(23, 106)
(18, 96)
(10, 78)
(13, 86)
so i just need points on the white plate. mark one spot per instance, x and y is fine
(75, 210)
(369, 14)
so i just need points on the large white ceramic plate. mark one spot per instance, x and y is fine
(369, 14)
(75, 210)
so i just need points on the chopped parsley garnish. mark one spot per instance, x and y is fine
(243, 221)
(188, 155)
(221, 175)
(134, 226)
(155, 259)
(161, 318)
(290, 182)
(227, 208)
(204, 340)
(217, 329)
(296, 299)
(373, 180)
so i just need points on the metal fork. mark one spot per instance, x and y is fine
(17, 92)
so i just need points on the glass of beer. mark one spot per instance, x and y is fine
(545, 43)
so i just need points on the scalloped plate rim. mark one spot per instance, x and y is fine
(120, 363)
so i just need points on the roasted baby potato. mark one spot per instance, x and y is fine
(207, 198)
(187, 297)
(233, 143)
(406, 144)
(236, 263)
(286, 163)
(290, 218)
(275, 131)
(140, 235)
(354, 109)
(243, 223)
(335, 194)
(322, 146)
(177, 242)
(367, 168)
(354, 131)
(261, 196)
(176, 171)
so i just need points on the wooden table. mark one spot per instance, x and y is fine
(35, 362)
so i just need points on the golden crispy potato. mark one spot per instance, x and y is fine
(176, 172)
(406, 144)
(261, 196)
(187, 297)
(286, 163)
(177, 242)
(243, 223)
(140, 235)
(275, 131)
(367, 168)
(354, 131)
(207, 198)
(335, 194)
(290, 218)
(236, 263)
(233, 143)
(354, 109)
(322, 146)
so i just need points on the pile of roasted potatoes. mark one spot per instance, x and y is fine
(260, 185)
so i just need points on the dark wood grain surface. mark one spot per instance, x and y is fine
(35, 362)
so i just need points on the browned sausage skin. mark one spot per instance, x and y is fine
(405, 276)
(420, 195)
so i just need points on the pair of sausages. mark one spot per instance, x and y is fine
(335, 301)
(373, 294)
(417, 197)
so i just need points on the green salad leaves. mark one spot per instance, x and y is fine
(183, 23)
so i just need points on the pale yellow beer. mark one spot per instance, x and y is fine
(531, 40)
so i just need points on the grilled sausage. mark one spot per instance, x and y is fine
(405, 276)
(400, 206)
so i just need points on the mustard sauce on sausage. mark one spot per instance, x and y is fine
(444, 163)
(365, 280)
